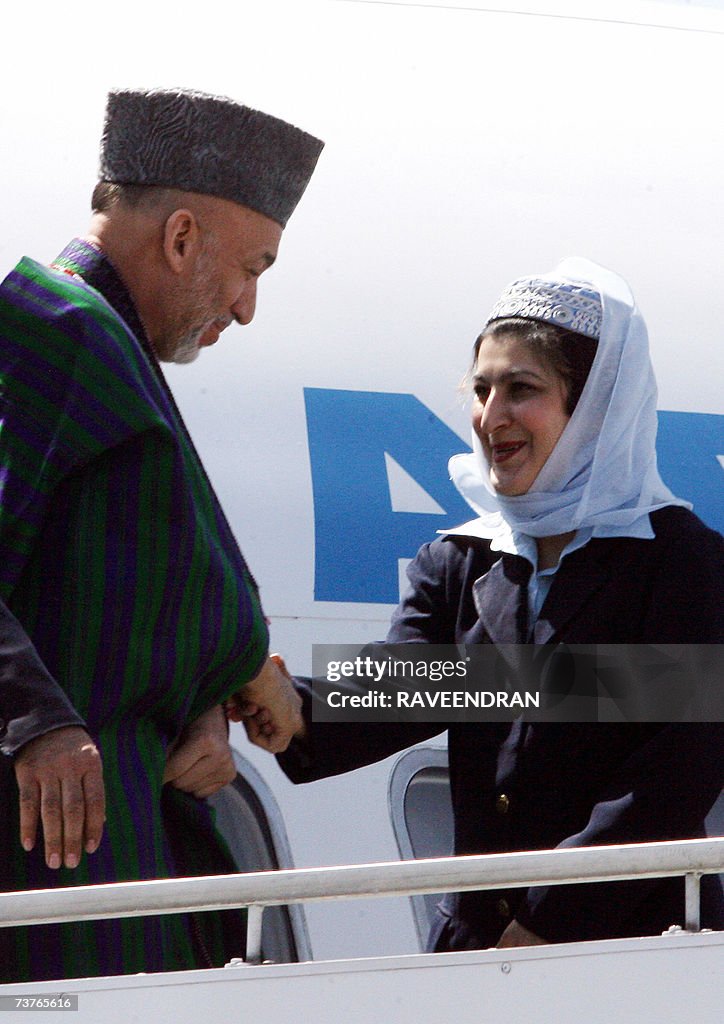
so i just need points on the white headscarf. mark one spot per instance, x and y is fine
(602, 474)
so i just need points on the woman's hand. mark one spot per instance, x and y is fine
(516, 935)
(270, 707)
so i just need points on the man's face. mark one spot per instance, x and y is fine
(238, 245)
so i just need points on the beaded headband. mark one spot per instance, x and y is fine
(573, 306)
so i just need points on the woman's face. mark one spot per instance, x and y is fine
(518, 412)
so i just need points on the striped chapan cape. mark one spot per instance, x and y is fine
(117, 559)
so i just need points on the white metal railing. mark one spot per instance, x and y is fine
(690, 858)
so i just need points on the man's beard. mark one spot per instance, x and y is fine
(187, 349)
(197, 308)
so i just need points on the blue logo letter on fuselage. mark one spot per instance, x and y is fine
(359, 537)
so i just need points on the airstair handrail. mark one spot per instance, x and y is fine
(691, 858)
(395, 878)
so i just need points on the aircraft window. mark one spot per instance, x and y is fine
(249, 818)
(421, 813)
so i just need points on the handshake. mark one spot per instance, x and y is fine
(60, 773)
(269, 707)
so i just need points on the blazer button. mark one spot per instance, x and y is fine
(502, 803)
(503, 908)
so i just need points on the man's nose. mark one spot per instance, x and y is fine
(245, 306)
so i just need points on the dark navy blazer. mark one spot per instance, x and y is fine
(532, 786)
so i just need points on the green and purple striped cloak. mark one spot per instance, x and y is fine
(117, 559)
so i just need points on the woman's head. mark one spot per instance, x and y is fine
(594, 464)
(528, 376)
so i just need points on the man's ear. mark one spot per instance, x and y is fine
(181, 240)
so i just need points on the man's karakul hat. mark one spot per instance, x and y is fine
(200, 143)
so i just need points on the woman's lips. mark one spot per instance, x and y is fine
(503, 452)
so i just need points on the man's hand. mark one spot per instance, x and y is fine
(269, 707)
(516, 935)
(200, 761)
(60, 779)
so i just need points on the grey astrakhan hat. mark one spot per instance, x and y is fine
(201, 143)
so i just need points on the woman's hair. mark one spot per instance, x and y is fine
(566, 352)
